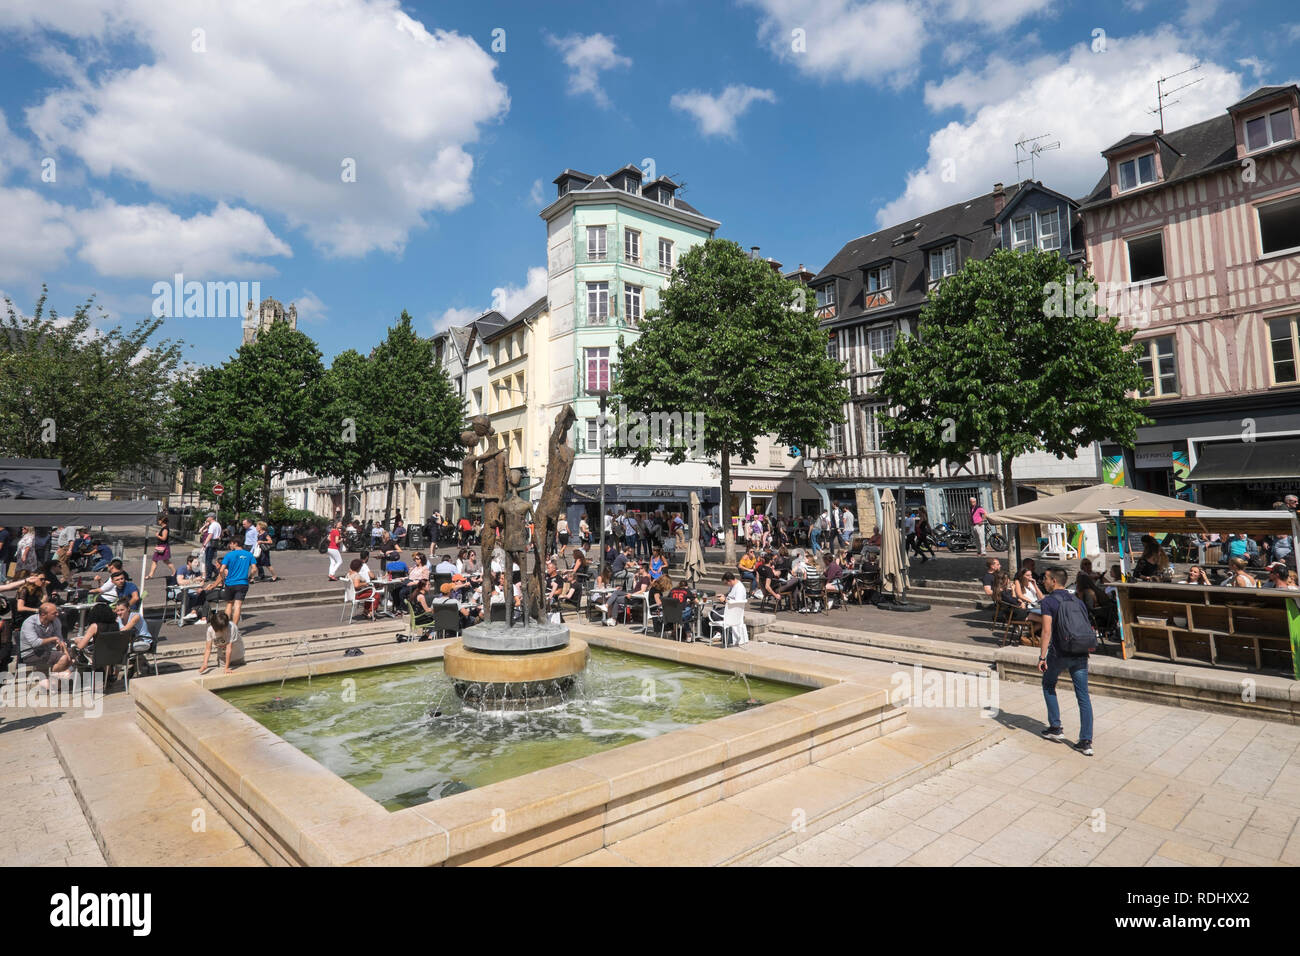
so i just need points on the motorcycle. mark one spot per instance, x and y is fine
(957, 540)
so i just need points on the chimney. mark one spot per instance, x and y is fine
(753, 252)
(999, 198)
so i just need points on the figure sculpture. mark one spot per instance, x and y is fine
(546, 512)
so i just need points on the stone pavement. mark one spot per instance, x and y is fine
(1167, 787)
(45, 825)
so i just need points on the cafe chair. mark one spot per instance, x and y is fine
(349, 602)
(672, 616)
(732, 623)
(109, 649)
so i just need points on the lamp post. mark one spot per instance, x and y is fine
(603, 395)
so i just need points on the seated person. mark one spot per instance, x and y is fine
(419, 599)
(367, 596)
(657, 564)
(103, 556)
(100, 619)
(1011, 601)
(445, 566)
(223, 636)
(1241, 578)
(658, 588)
(557, 587)
(1197, 575)
(991, 568)
(746, 565)
(192, 590)
(40, 643)
(833, 575)
(735, 594)
(683, 594)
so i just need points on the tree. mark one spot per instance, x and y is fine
(352, 427)
(261, 411)
(280, 395)
(997, 368)
(95, 398)
(416, 413)
(735, 342)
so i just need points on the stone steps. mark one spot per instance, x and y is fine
(867, 652)
(770, 818)
(141, 809)
(842, 640)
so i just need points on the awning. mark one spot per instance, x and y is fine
(1247, 461)
(1084, 505)
(83, 513)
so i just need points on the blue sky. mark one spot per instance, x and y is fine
(799, 124)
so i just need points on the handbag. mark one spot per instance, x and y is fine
(257, 551)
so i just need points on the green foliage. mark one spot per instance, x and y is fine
(95, 398)
(992, 372)
(410, 409)
(735, 341)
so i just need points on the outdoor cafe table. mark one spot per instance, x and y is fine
(387, 609)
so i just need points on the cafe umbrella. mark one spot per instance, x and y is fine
(694, 563)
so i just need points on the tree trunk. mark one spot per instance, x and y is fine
(388, 497)
(347, 500)
(266, 491)
(728, 532)
(1009, 501)
(239, 485)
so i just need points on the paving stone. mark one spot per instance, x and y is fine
(881, 854)
(944, 851)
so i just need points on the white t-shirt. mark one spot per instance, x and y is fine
(737, 592)
(909, 523)
(846, 521)
(213, 533)
(237, 650)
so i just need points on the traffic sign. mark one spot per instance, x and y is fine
(218, 488)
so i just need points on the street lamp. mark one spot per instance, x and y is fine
(603, 395)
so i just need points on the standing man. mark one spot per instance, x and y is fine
(909, 532)
(977, 514)
(234, 577)
(815, 534)
(211, 535)
(1067, 640)
(846, 525)
(250, 535)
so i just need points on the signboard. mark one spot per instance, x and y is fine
(1154, 456)
(218, 488)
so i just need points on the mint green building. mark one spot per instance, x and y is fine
(611, 243)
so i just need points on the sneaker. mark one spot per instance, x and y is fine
(192, 616)
(1084, 747)
(1053, 733)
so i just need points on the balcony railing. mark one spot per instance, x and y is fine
(601, 320)
(586, 255)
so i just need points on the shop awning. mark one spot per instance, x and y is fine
(1248, 461)
(17, 512)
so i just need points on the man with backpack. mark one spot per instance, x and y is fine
(1067, 640)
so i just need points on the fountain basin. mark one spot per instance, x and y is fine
(497, 638)
(514, 681)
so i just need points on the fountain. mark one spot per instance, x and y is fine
(533, 663)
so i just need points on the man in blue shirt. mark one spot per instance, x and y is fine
(235, 566)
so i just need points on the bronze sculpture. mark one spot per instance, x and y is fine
(488, 473)
(514, 542)
(546, 512)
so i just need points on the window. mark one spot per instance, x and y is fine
(878, 279)
(1268, 128)
(836, 446)
(564, 187)
(632, 303)
(632, 246)
(595, 243)
(826, 295)
(597, 361)
(943, 262)
(665, 255)
(871, 430)
(630, 185)
(1146, 258)
(593, 434)
(879, 342)
(1022, 232)
(597, 303)
(1137, 172)
(1158, 366)
(1284, 349)
(1279, 225)
(833, 348)
(478, 400)
(1049, 229)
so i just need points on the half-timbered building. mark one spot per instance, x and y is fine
(1199, 230)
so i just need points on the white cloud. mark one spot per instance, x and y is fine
(510, 300)
(1060, 96)
(1256, 66)
(151, 241)
(271, 111)
(587, 57)
(310, 307)
(15, 153)
(879, 41)
(507, 299)
(1199, 11)
(717, 115)
(535, 195)
(35, 238)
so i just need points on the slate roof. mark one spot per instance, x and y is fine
(585, 182)
(973, 219)
(1191, 151)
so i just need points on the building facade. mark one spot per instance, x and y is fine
(873, 291)
(612, 242)
(1200, 229)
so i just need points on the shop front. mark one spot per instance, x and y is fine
(643, 499)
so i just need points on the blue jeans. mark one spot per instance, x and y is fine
(814, 537)
(1078, 668)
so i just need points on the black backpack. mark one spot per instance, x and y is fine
(1072, 631)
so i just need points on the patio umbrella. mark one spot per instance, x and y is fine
(1085, 505)
(694, 566)
(893, 563)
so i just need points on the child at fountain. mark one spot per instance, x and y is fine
(223, 635)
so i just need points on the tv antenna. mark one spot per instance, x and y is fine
(1029, 148)
(1162, 95)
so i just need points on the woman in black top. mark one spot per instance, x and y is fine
(162, 549)
(924, 536)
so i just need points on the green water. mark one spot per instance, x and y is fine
(385, 739)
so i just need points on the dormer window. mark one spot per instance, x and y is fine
(1049, 229)
(1267, 129)
(630, 185)
(1138, 171)
(943, 263)
(826, 295)
(1022, 232)
(878, 279)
